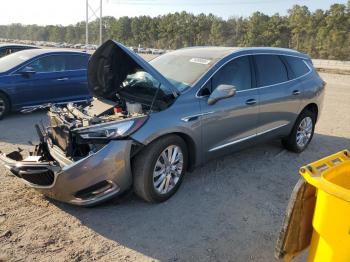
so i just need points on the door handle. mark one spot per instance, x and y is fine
(250, 102)
(62, 79)
(296, 92)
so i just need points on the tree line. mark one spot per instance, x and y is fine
(322, 33)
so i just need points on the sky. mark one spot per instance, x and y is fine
(64, 12)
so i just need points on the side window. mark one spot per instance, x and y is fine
(236, 73)
(13, 50)
(9, 51)
(297, 65)
(206, 89)
(3, 52)
(270, 70)
(76, 62)
(53, 63)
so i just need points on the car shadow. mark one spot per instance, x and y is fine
(230, 208)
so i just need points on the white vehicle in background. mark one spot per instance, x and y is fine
(157, 51)
(94, 47)
(40, 43)
(59, 45)
(89, 47)
(143, 50)
(78, 46)
(134, 49)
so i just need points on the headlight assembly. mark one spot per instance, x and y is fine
(112, 130)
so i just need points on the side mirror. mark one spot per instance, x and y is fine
(27, 71)
(221, 92)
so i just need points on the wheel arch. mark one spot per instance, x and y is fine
(2, 92)
(312, 107)
(190, 144)
(191, 149)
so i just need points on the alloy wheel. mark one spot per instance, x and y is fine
(304, 132)
(2, 106)
(168, 169)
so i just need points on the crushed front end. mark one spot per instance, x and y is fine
(76, 162)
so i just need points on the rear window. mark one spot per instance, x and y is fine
(76, 62)
(270, 70)
(297, 65)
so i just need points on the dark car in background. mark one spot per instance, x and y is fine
(36, 77)
(7, 49)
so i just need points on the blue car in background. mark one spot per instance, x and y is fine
(7, 49)
(39, 76)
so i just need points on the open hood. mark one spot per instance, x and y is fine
(109, 66)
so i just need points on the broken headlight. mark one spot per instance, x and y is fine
(112, 131)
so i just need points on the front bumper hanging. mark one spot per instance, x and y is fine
(88, 181)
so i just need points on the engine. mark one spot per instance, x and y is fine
(64, 120)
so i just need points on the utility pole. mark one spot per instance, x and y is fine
(89, 18)
(87, 24)
(100, 22)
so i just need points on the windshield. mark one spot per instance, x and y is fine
(13, 60)
(181, 70)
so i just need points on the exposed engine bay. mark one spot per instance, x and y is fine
(81, 130)
(97, 112)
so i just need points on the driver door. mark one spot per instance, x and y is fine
(46, 82)
(230, 122)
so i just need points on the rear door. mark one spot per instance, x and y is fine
(233, 120)
(75, 80)
(279, 95)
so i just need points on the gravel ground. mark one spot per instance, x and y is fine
(231, 209)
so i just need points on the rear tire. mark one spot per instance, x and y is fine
(150, 172)
(302, 132)
(4, 106)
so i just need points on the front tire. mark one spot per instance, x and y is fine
(158, 170)
(4, 106)
(302, 132)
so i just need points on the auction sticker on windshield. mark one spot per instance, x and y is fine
(200, 61)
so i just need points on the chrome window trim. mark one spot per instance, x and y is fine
(308, 66)
(246, 138)
(260, 87)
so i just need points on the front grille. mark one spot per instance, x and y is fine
(35, 175)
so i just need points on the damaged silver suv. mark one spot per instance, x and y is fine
(151, 122)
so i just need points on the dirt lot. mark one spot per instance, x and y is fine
(228, 210)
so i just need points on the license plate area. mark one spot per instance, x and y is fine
(35, 169)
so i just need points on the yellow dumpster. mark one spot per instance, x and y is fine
(318, 214)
